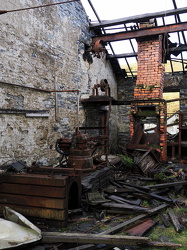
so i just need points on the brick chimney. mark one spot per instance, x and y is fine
(150, 77)
(148, 91)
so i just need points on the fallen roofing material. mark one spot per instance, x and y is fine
(16, 230)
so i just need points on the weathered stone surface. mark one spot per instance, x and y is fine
(43, 48)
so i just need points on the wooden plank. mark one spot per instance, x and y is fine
(175, 220)
(138, 18)
(139, 217)
(126, 206)
(152, 196)
(141, 33)
(34, 190)
(32, 201)
(141, 228)
(142, 194)
(170, 184)
(121, 200)
(126, 223)
(34, 179)
(52, 214)
(112, 240)
(56, 237)
(165, 220)
(143, 188)
(165, 244)
(83, 247)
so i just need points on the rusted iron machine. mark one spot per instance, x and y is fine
(47, 193)
(82, 151)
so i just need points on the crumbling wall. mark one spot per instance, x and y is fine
(43, 49)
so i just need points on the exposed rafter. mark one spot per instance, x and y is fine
(141, 33)
(171, 50)
(138, 18)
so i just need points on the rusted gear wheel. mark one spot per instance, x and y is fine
(103, 84)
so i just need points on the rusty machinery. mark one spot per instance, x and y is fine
(81, 151)
(104, 87)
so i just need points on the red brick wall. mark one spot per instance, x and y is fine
(149, 84)
(150, 77)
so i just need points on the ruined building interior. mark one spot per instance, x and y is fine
(93, 99)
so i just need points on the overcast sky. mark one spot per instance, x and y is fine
(113, 9)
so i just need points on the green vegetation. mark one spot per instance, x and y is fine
(146, 113)
(126, 161)
(169, 235)
(162, 176)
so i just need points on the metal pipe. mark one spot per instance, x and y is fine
(177, 99)
(22, 111)
(56, 99)
(67, 90)
(27, 87)
(37, 89)
(78, 120)
(34, 7)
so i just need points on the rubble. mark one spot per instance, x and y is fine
(16, 230)
(126, 203)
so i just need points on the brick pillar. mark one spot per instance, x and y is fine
(150, 77)
(149, 84)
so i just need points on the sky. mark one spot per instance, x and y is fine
(113, 9)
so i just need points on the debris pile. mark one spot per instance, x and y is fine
(132, 205)
(122, 205)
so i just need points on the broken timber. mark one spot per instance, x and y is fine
(141, 33)
(170, 184)
(139, 217)
(141, 228)
(138, 192)
(56, 237)
(124, 224)
(175, 221)
(126, 206)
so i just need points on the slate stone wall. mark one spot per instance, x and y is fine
(43, 48)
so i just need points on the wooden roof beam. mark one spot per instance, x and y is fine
(138, 18)
(141, 32)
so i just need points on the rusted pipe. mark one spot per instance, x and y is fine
(67, 90)
(177, 99)
(34, 7)
(37, 89)
(26, 87)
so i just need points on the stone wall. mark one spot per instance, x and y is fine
(43, 49)
(125, 92)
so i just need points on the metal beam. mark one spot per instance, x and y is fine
(121, 55)
(178, 49)
(141, 33)
(138, 18)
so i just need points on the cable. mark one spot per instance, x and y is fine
(34, 7)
